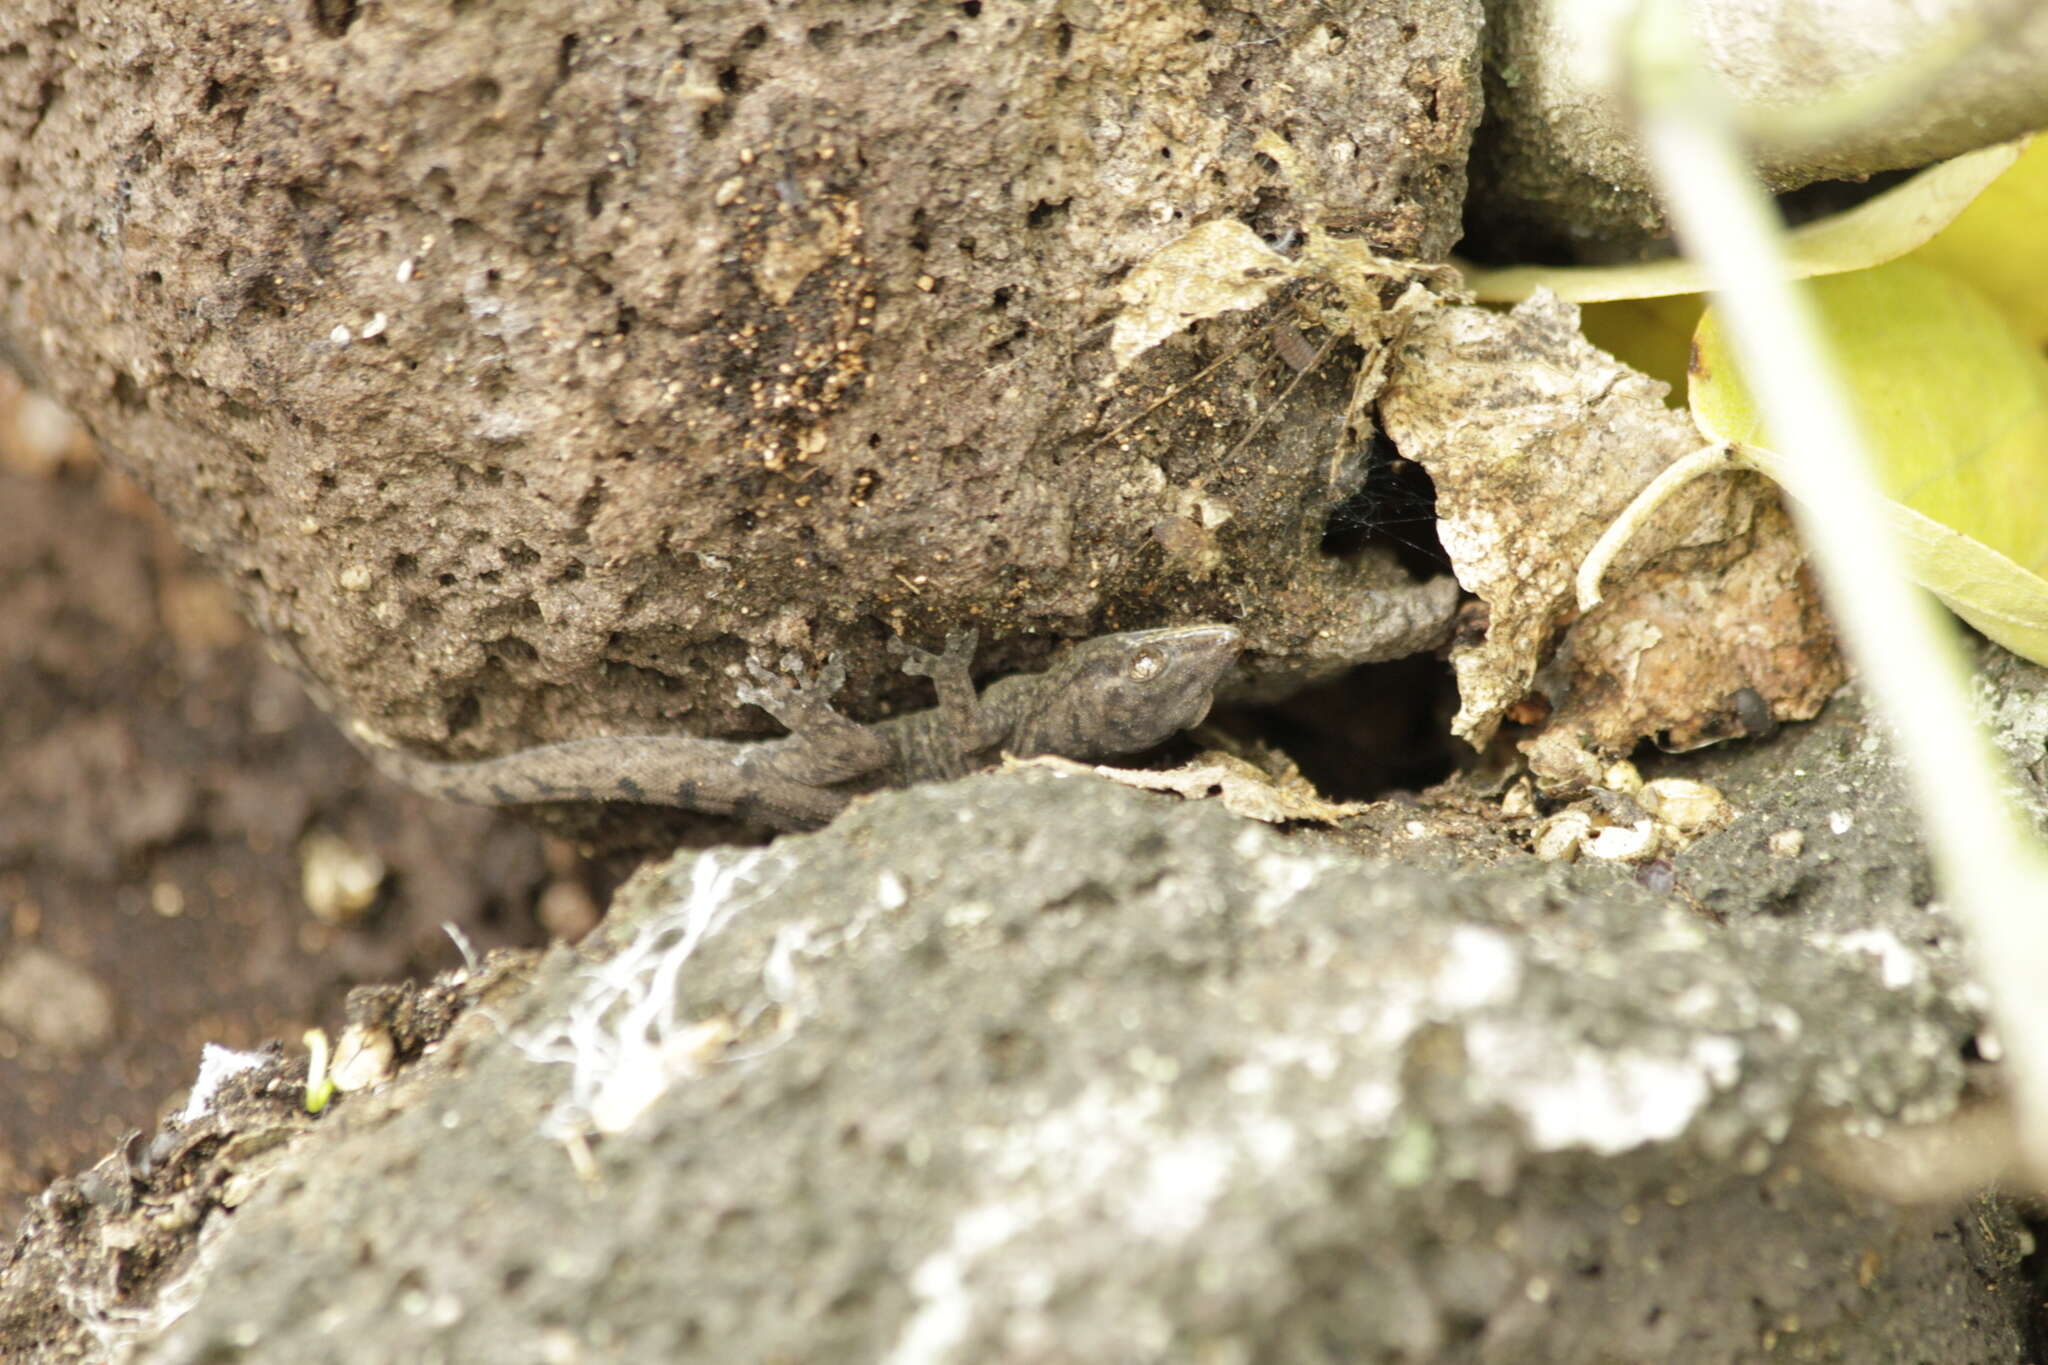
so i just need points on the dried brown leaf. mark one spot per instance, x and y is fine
(1535, 440)
(1243, 787)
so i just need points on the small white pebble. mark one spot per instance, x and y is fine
(405, 269)
(1622, 777)
(1624, 843)
(340, 336)
(1840, 821)
(355, 578)
(374, 327)
(338, 881)
(1557, 838)
(1519, 800)
(1787, 843)
(44, 430)
(1690, 806)
(363, 1058)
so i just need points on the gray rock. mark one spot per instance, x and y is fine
(1035, 1068)
(528, 367)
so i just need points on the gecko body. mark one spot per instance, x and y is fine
(1115, 694)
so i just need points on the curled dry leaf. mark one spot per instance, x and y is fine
(1218, 267)
(1535, 441)
(1243, 787)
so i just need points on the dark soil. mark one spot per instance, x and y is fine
(158, 779)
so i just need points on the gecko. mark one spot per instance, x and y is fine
(1114, 694)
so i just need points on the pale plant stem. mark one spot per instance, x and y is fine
(1992, 874)
(1709, 460)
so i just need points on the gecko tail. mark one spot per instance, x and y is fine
(715, 777)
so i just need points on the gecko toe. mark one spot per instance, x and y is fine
(922, 663)
(767, 698)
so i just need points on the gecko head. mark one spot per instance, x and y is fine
(1118, 694)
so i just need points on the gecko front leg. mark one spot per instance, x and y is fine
(942, 742)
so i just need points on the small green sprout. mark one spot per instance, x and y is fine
(319, 1085)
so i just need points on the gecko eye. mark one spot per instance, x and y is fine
(1147, 666)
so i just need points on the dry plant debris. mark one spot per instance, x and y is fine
(1536, 440)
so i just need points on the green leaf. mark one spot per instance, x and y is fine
(1880, 229)
(2000, 245)
(1953, 398)
(1992, 593)
(1652, 335)
(1983, 213)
